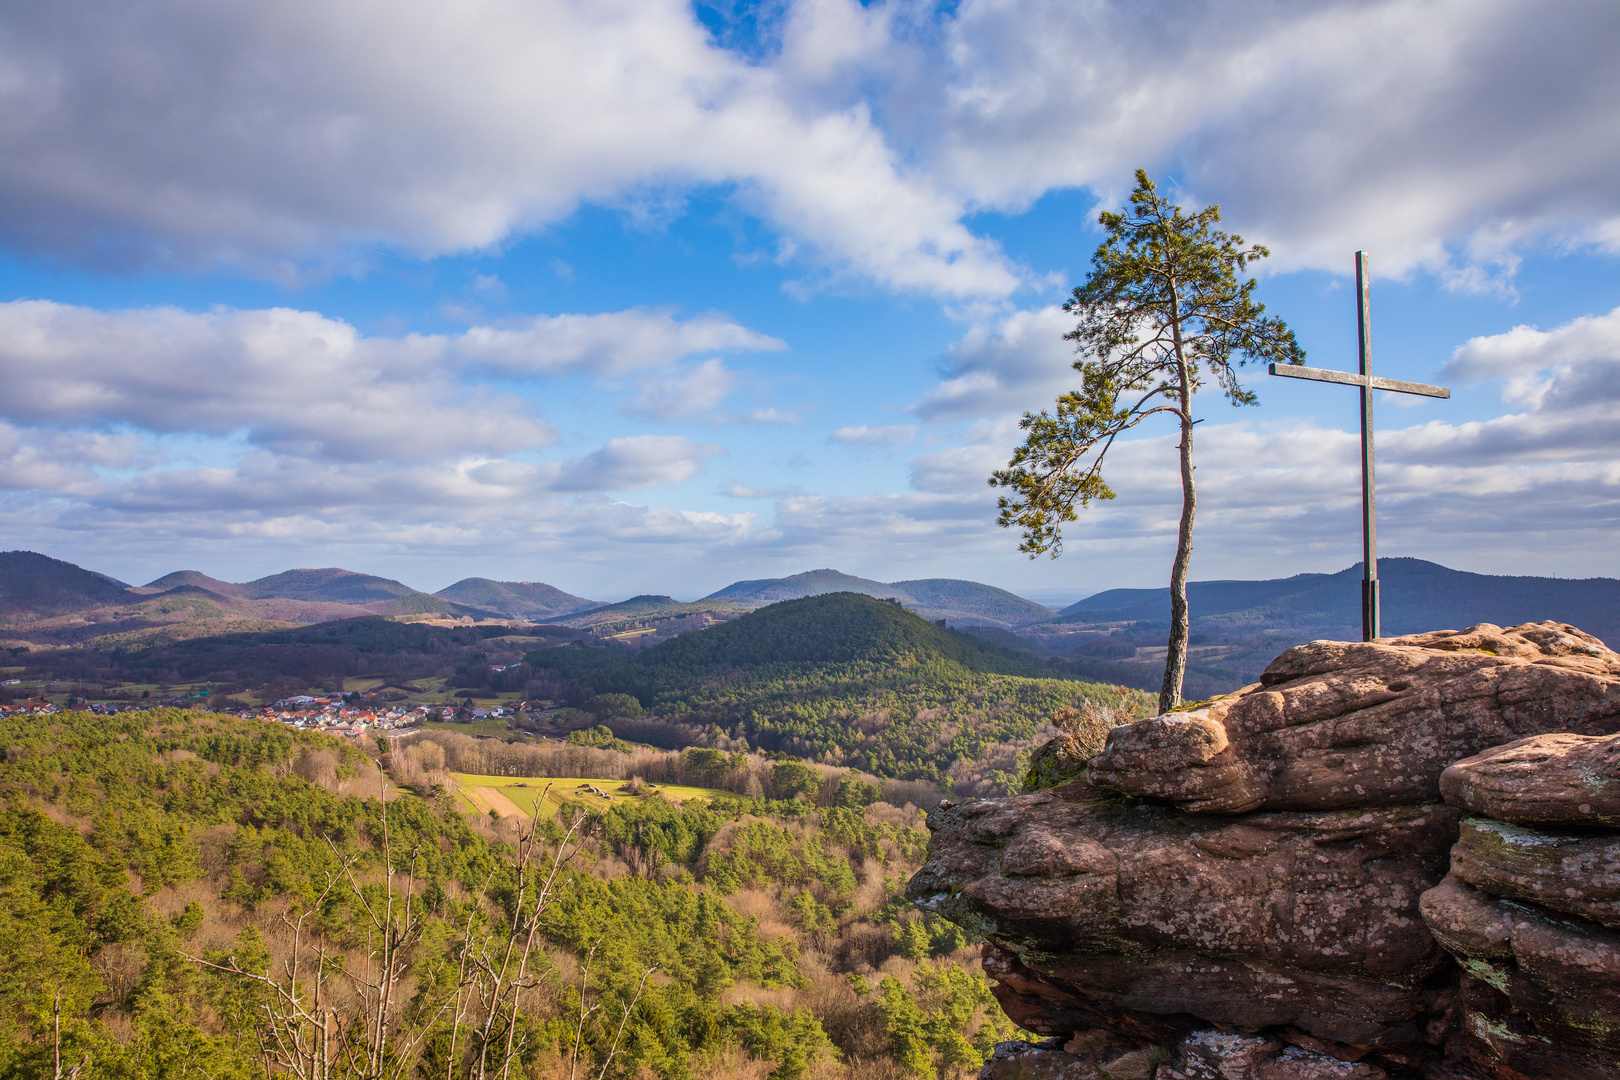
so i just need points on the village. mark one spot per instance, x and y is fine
(350, 714)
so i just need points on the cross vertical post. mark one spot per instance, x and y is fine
(1371, 616)
(1369, 515)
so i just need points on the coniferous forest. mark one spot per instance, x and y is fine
(187, 893)
(190, 894)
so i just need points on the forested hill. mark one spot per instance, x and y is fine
(797, 586)
(842, 678)
(933, 598)
(534, 600)
(971, 602)
(35, 584)
(833, 628)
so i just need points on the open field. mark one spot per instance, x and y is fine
(508, 795)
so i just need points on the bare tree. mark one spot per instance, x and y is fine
(326, 1014)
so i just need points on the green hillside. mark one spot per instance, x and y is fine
(645, 604)
(649, 611)
(833, 628)
(151, 864)
(860, 679)
(533, 600)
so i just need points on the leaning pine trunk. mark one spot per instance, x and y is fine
(1175, 657)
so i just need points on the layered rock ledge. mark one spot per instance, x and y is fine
(1333, 725)
(1385, 859)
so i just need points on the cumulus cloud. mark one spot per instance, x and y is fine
(1422, 132)
(881, 437)
(267, 136)
(1580, 360)
(301, 383)
(246, 418)
(1441, 135)
(293, 381)
(261, 485)
(697, 389)
(1020, 363)
(611, 343)
(637, 461)
(1564, 382)
(1541, 477)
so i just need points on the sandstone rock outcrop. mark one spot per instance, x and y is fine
(1560, 779)
(1344, 724)
(1531, 909)
(1572, 873)
(1198, 1055)
(1531, 982)
(1275, 863)
(1303, 919)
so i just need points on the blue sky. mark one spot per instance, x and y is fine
(635, 297)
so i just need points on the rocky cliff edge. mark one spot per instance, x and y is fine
(1387, 859)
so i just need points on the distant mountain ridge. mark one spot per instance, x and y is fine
(532, 600)
(37, 585)
(45, 599)
(798, 586)
(951, 599)
(1416, 595)
(48, 600)
(195, 579)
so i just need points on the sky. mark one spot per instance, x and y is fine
(653, 296)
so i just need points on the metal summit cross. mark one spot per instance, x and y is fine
(1368, 382)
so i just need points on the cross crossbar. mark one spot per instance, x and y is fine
(1377, 382)
(1367, 382)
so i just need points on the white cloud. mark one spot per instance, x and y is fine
(261, 485)
(611, 343)
(267, 136)
(246, 418)
(636, 461)
(1020, 364)
(1580, 360)
(54, 461)
(300, 383)
(883, 437)
(1566, 381)
(293, 381)
(1543, 477)
(1442, 135)
(772, 415)
(696, 389)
